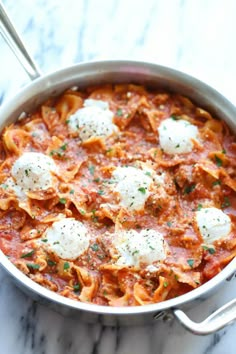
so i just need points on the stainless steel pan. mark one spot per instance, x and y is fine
(91, 73)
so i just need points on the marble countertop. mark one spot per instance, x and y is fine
(196, 37)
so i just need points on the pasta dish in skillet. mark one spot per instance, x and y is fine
(118, 195)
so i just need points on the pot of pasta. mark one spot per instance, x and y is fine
(117, 184)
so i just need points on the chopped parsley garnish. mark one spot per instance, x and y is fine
(218, 161)
(109, 150)
(190, 262)
(60, 151)
(95, 247)
(72, 191)
(174, 117)
(63, 147)
(142, 190)
(4, 186)
(226, 203)
(62, 200)
(67, 121)
(216, 183)
(76, 287)
(82, 212)
(91, 169)
(169, 223)
(135, 252)
(44, 240)
(33, 265)
(211, 250)
(101, 256)
(94, 217)
(223, 151)
(27, 173)
(66, 265)
(119, 112)
(199, 207)
(177, 146)
(101, 192)
(56, 152)
(148, 173)
(165, 284)
(51, 263)
(96, 180)
(189, 189)
(26, 255)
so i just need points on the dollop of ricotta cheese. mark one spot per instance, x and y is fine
(176, 136)
(213, 224)
(32, 171)
(68, 238)
(93, 120)
(136, 248)
(133, 186)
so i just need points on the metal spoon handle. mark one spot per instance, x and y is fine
(16, 44)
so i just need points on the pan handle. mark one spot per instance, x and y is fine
(224, 316)
(16, 44)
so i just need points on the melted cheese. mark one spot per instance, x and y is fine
(13, 187)
(213, 224)
(176, 136)
(93, 120)
(133, 187)
(68, 238)
(33, 171)
(136, 248)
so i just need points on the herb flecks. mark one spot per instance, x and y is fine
(190, 262)
(27, 255)
(94, 217)
(189, 189)
(226, 202)
(91, 169)
(101, 192)
(216, 183)
(218, 161)
(76, 287)
(66, 266)
(51, 263)
(142, 190)
(95, 247)
(60, 151)
(119, 112)
(210, 249)
(33, 265)
(62, 200)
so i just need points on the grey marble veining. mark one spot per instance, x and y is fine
(193, 36)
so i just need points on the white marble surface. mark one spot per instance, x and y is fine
(197, 37)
